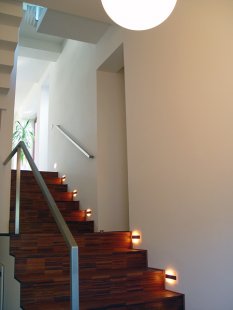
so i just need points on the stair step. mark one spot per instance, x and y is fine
(5, 75)
(56, 289)
(88, 259)
(105, 284)
(54, 181)
(110, 282)
(31, 187)
(122, 259)
(56, 305)
(105, 240)
(12, 8)
(28, 173)
(51, 227)
(158, 300)
(38, 196)
(27, 204)
(47, 268)
(7, 50)
(9, 19)
(8, 33)
(36, 215)
(88, 243)
(163, 300)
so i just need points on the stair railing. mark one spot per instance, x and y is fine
(81, 149)
(64, 229)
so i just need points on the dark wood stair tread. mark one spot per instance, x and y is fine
(31, 251)
(134, 301)
(56, 305)
(48, 278)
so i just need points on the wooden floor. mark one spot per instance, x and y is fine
(112, 274)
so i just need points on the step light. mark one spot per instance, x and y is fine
(171, 276)
(136, 237)
(88, 212)
(75, 192)
(63, 178)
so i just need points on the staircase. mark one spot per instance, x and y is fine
(10, 18)
(113, 275)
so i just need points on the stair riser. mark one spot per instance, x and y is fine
(94, 242)
(50, 266)
(37, 216)
(28, 205)
(105, 286)
(45, 174)
(26, 244)
(123, 283)
(34, 228)
(114, 261)
(44, 292)
(34, 188)
(37, 196)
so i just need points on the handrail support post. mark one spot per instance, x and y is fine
(17, 196)
(74, 278)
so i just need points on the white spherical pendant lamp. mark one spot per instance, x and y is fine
(138, 14)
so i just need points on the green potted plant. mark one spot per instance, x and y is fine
(23, 132)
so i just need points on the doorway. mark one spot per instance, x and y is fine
(112, 168)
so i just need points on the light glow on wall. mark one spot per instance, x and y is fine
(88, 212)
(171, 272)
(138, 14)
(75, 192)
(136, 237)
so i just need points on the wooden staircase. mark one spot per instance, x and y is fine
(113, 275)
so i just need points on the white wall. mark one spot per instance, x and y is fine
(73, 106)
(43, 128)
(11, 286)
(7, 102)
(179, 93)
(112, 177)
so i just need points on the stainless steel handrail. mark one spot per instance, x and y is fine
(1, 286)
(64, 229)
(73, 142)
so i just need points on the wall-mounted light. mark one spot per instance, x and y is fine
(75, 192)
(171, 276)
(55, 166)
(138, 14)
(63, 178)
(88, 212)
(136, 237)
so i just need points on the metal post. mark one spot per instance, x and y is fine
(17, 197)
(74, 278)
(1, 286)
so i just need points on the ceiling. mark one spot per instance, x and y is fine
(91, 9)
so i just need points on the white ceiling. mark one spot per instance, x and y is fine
(86, 8)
